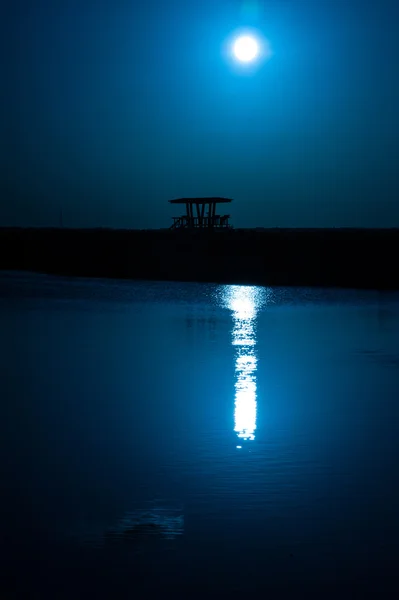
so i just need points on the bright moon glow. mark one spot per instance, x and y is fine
(246, 48)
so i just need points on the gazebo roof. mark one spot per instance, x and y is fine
(200, 201)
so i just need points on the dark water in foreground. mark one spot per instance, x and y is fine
(197, 440)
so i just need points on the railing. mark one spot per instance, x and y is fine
(185, 222)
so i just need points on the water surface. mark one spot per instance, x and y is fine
(197, 439)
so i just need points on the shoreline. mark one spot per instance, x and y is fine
(340, 258)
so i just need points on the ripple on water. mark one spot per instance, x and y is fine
(138, 528)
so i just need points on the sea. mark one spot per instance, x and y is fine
(184, 440)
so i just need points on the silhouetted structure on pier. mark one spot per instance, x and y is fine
(201, 220)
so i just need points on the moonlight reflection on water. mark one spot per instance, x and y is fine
(244, 303)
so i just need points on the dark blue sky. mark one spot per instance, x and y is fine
(112, 107)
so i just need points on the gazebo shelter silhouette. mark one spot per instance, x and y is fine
(205, 216)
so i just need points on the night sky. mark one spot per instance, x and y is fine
(111, 107)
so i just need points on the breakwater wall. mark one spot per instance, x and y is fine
(356, 258)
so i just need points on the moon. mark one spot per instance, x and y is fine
(246, 48)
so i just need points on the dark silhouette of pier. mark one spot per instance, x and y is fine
(351, 258)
